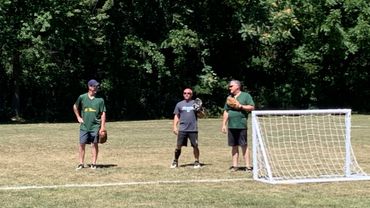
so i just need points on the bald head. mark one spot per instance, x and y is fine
(188, 93)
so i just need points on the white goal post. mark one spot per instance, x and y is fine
(299, 146)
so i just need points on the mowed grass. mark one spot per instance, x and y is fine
(135, 162)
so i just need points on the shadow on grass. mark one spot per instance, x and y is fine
(104, 165)
(192, 164)
(241, 168)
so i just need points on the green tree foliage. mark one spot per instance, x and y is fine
(47, 45)
(289, 54)
(309, 51)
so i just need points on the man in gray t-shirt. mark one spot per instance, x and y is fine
(188, 119)
(185, 126)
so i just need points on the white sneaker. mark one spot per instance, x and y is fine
(80, 166)
(196, 164)
(93, 166)
(174, 164)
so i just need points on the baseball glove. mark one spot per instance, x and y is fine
(199, 109)
(232, 102)
(103, 136)
(198, 105)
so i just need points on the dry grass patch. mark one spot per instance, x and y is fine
(141, 151)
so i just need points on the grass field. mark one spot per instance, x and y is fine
(38, 163)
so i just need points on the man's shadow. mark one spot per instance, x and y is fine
(192, 164)
(104, 165)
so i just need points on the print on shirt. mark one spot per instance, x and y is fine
(187, 108)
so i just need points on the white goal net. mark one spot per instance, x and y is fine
(298, 146)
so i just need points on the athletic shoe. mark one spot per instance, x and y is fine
(174, 164)
(233, 168)
(196, 164)
(93, 166)
(249, 168)
(80, 166)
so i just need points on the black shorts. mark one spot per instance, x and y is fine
(237, 137)
(183, 136)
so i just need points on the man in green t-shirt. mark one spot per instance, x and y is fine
(234, 122)
(90, 113)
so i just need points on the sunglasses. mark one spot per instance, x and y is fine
(187, 93)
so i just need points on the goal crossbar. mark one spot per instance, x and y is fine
(301, 146)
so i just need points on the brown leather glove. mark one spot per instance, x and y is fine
(232, 102)
(103, 136)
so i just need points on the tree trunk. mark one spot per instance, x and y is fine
(16, 78)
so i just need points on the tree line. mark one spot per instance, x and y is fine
(288, 54)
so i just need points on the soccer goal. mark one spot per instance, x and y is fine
(299, 146)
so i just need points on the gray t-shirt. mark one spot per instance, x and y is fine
(187, 115)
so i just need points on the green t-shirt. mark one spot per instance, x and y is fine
(237, 119)
(91, 110)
